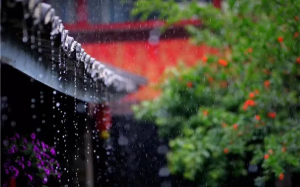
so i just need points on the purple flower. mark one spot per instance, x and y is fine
(25, 140)
(6, 171)
(33, 136)
(43, 145)
(18, 162)
(30, 177)
(23, 166)
(45, 180)
(11, 151)
(39, 156)
(13, 139)
(22, 158)
(28, 163)
(17, 135)
(16, 172)
(11, 168)
(47, 156)
(52, 151)
(47, 171)
(59, 176)
(36, 149)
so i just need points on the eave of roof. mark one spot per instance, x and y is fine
(35, 42)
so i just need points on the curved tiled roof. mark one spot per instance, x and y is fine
(31, 26)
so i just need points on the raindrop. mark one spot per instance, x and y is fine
(34, 116)
(13, 123)
(57, 104)
(38, 130)
(166, 184)
(4, 117)
(33, 100)
(162, 149)
(5, 143)
(164, 172)
(122, 140)
(4, 98)
(252, 168)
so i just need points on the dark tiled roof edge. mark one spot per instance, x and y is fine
(43, 17)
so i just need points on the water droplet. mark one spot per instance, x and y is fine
(122, 140)
(13, 123)
(164, 172)
(4, 117)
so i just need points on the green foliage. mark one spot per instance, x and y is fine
(242, 102)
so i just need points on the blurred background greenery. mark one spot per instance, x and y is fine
(239, 109)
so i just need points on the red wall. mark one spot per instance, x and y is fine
(149, 61)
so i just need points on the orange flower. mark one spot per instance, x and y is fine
(283, 149)
(280, 39)
(205, 112)
(235, 126)
(257, 117)
(296, 34)
(210, 79)
(266, 156)
(250, 102)
(281, 176)
(189, 84)
(298, 60)
(296, 18)
(223, 62)
(272, 115)
(267, 83)
(250, 50)
(226, 151)
(270, 151)
(204, 59)
(245, 107)
(256, 91)
(251, 95)
(224, 125)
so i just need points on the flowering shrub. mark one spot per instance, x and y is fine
(239, 107)
(30, 158)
